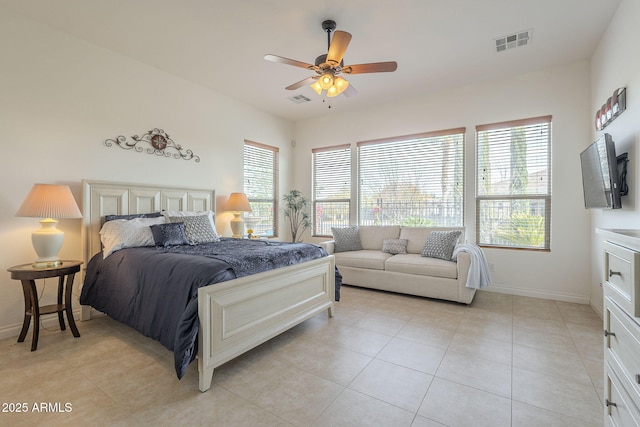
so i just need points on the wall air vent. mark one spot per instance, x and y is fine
(299, 99)
(519, 39)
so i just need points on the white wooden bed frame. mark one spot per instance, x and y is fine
(237, 315)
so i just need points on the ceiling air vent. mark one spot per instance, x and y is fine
(299, 99)
(520, 39)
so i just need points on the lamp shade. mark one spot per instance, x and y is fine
(49, 201)
(238, 202)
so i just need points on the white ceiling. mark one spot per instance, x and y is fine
(438, 44)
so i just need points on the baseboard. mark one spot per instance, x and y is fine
(557, 296)
(597, 309)
(49, 322)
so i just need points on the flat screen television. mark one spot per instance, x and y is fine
(600, 174)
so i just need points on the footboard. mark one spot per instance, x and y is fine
(241, 314)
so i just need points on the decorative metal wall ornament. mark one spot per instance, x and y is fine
(160, 142)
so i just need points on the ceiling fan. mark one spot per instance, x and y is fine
(330, 66)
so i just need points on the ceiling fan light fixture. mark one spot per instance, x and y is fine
(339, 86)
(316, 86)
(326, 80)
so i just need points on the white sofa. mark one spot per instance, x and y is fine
(409, 273)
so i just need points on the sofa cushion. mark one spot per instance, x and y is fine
(417, 236)
(372, 236)
(440, 244)
(346, 239)
(394, 246)
(417, 264)
(373, 260)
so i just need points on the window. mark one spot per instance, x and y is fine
(261, 188)
(513, 194)
(415, 180)
(331, 188)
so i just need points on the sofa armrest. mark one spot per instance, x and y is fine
(328, 246)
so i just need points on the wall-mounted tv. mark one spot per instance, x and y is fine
(600, 178)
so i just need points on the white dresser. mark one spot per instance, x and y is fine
(621, 327)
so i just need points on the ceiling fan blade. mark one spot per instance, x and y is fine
(338, 47)
(283, 60)
(301, 83)
(350, 91)
(374, 67)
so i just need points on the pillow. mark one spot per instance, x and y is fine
(198, 229)
(346, 239)
(171, 234)
(440, 244)
(210, 214)
(395, 246)
(122, 233)
(132, 216)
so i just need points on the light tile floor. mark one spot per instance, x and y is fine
(384, 359)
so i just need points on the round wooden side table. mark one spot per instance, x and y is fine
(28, 274)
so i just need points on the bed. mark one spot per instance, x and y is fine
(232, 316)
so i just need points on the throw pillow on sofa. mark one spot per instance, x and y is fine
(346, 239)
(440, 244)
(395, 246)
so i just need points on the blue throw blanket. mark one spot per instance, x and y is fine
(155, 290)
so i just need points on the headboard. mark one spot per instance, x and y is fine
(100, 198)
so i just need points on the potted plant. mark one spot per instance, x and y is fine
(296, 208)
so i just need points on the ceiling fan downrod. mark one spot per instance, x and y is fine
(329, 25)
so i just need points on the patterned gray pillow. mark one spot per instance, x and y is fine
(346, 239)
(198, 229)
(395, 246)
(440, 244)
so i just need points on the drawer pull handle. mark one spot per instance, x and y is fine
(614, 273)
(607, 333)
(609, 403)
(638, 378)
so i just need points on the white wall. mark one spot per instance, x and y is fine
(562, 92)
(616, 64)
(60, 98)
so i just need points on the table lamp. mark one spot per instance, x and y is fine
(237, 204)
(49, 202)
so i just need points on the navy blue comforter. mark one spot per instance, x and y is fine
(155, 290)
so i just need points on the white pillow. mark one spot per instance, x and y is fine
(209, 214)
(121, 233)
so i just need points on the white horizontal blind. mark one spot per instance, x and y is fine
(513, 194)
(414, 180)
(261, 188)
(331, 188)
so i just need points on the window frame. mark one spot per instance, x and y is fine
(507, 197)
(275, 152)
(315, 200)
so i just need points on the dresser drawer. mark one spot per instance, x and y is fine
(620, 266)
(622, 345)
(619, 410)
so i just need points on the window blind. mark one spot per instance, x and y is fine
(513, 185)
(331, 188)
(261, 188)
(414, 180)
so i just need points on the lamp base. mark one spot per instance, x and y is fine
(47, 242)
(237, 225)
